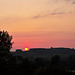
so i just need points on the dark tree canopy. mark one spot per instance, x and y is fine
(5, 41)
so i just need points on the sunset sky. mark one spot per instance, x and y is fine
(39, 23)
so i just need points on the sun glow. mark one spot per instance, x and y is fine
(26, 49)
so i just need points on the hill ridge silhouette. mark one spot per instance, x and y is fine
(45, 52)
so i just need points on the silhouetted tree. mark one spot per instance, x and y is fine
(5, 41)
(56, 59)
(5, 55)
(39, 62)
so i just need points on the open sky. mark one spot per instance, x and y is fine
(39, 23)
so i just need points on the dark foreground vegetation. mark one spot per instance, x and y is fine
(17, 65)
(10, 65)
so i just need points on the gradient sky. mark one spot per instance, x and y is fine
(39, 23)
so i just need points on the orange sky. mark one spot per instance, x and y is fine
(39, 23)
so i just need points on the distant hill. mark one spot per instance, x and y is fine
(45, 53)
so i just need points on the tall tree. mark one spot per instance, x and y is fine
(5, 41)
